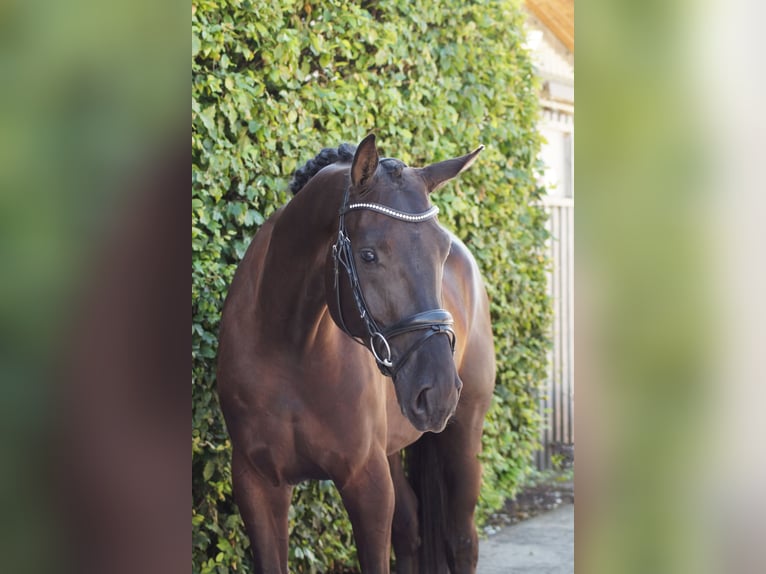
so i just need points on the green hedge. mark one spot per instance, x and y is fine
(273, 83)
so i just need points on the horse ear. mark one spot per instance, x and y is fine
(365, 162)
(437, 174)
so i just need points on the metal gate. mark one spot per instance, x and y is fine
(557, 404)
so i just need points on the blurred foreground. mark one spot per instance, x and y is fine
(669, 288)
(93, 288)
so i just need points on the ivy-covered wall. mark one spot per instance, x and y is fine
(272, 84)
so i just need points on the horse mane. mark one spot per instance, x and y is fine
(343, 153)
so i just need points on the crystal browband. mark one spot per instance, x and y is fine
(414, 217)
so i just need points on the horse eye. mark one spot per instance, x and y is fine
(368, 255)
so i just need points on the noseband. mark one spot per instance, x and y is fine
(431, 322)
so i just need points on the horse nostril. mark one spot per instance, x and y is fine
(459, 386)
(421, 402)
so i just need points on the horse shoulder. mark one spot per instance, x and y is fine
(466, 298)
(463, 286)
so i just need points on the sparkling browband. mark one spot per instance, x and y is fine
(414, 217)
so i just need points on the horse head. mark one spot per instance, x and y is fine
(385, 279)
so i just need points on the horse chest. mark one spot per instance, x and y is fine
(323, 427)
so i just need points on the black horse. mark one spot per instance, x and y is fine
(355, 327)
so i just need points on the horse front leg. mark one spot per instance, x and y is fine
(264, 508)
(459, 446)
(405, 534)
(368, 495)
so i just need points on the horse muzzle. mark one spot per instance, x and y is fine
(430, 404)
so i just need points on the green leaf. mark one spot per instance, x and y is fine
(252, 217)
(208, 471)
(195, 45)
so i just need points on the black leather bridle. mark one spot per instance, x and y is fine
(432, 322)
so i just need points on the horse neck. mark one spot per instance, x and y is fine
(291, 299)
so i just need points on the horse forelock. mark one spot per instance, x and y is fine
(343, 153)
(392, 167)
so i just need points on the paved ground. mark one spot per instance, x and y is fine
(541, 545)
